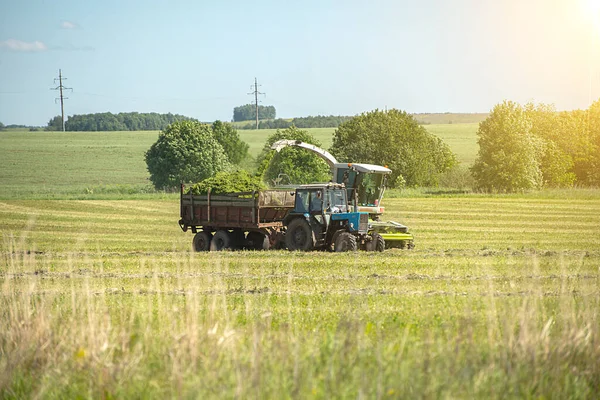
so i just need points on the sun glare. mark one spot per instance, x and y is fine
(593, 5)
(592, 9)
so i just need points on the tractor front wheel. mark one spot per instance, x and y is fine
(345, 241)
(299, 235)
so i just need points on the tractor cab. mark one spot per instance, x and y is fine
(321, 218)
(320, 200)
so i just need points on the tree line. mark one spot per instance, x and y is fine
(132, 121)
(319, 121)
(534, 147)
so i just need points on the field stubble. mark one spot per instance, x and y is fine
(104, 299)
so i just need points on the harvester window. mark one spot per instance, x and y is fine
(369, 189)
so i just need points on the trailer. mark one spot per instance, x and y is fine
(243, 220)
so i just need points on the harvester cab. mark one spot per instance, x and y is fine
(364, 183)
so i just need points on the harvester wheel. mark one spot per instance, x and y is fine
(345, 241)
(220, 241)
(202, 240)
(299, 235)
(257, 241)
(378, 243)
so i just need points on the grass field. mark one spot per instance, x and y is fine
(499, 299)
(56, 165)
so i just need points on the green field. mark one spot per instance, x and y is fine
(102, 297)
(111, 164)
(462, 139)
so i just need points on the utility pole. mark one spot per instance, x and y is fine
(62, 99)
(256, 93)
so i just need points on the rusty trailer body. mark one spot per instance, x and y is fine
(251, 220)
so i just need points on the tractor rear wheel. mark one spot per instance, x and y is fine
(220, 241)
(257, 241)
(202, 240)
(299, 235)
(345, 241)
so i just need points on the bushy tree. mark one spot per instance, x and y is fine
(393, 138)
(300, 166)
(591, 139)
(235, 149)
(525, 147)
(556, 164)
(1, 126)
(508, 158)
(185, 151)
(55, 124)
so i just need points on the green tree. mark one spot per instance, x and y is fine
(393, 138)
(300, 166)
(248, 112)
(227, 136)
(592, 142)
(55, 124)
(185, 151)
(1, 126)
(508, 158)
(555, 163)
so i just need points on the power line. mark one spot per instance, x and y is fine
(60, 87)
(256, 93)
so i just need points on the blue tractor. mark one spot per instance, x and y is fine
(322, 219)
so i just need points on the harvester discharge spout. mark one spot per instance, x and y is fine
(366, 183)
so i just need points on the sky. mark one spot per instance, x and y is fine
(311, 57)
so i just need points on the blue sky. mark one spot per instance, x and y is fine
(199, 58)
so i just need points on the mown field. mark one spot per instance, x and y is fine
(102, 297)
(499, 299)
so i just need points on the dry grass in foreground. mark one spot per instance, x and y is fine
(278, 324)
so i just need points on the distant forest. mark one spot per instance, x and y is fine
(132, 121)
(331, 121)
(320, 121)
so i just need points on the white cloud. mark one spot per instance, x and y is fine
(68, 25)
(19, 45)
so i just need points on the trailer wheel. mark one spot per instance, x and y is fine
(345, 241)
(299, 235)
(220, 241)
(257, 241)
(201, 241)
